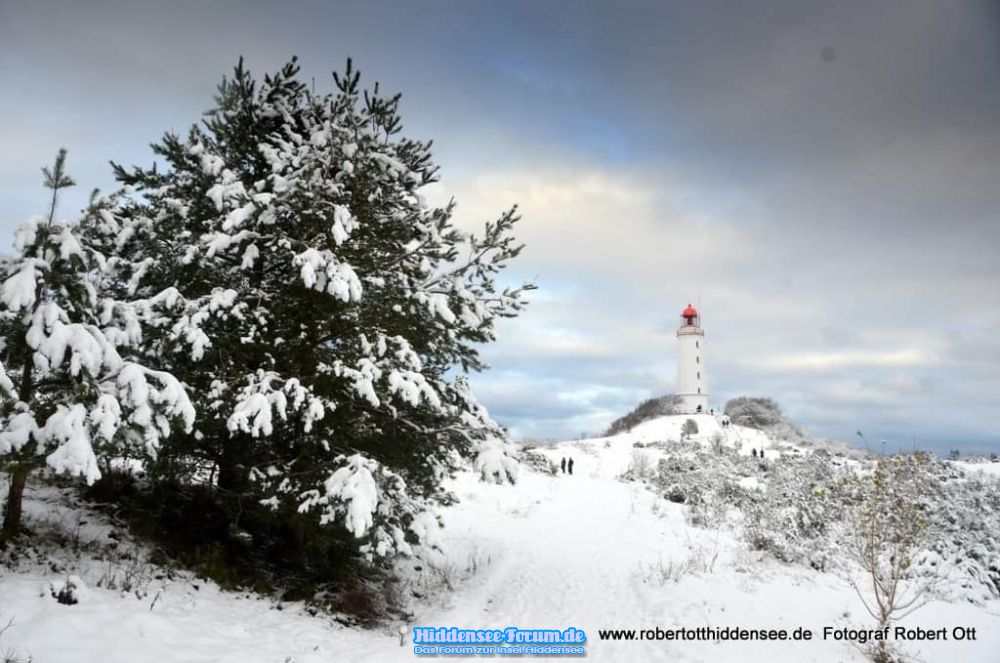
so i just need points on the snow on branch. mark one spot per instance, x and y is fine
(371, 501)
(350, 494)
(17, 432)
(323, 271)
(66, 430)
(495, 461)
(260, 400)
(19, 290)
(53, 337)
(154, 398)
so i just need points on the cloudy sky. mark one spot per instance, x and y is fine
(823, 177)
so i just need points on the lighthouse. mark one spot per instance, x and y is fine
(692, 382)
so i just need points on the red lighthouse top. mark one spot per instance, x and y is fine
(690, 314)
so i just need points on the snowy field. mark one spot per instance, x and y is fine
(987, 468)
(588, 551)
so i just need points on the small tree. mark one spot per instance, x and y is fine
(887, 527)
(954, 454)
(690, 428)
(67, 391)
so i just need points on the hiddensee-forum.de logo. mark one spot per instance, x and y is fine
(430, 640)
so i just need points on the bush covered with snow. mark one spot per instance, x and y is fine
(691, 474)
(536, 461)
(963, 510)
(68, 591)
(753, 412)
(797, 508)
(765, 414)
(798, 516)
(648, 409)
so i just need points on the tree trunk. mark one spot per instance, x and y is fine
(12, 515)
(232, 477)
(19, 477)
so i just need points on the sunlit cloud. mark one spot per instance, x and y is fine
(834, 361)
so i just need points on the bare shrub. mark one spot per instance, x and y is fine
(706, 510)
(662, 572)
(443, 573)
(361, 602)
(885, 530)
(9, 654)
(699, 560)
(641, 466)
(128, 570)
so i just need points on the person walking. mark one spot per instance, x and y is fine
(570, 465)
(564, 465)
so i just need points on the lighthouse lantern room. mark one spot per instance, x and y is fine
(692, 382)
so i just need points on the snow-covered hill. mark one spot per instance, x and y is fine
(587, 550)
(618, 448)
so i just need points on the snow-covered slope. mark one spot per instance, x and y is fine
(589, 551)
(669, 428)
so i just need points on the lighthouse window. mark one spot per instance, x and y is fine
(699, 375)
(699, 391)
(697, 360)
(696, 344)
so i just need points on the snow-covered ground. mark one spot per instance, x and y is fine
(669, 428)
(585, 550)
(988, 468)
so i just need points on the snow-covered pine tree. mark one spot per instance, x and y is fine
(326, 316)
(68, 391)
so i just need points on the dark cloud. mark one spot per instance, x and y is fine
(822, 175)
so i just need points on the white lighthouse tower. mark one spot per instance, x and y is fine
(692, 382)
